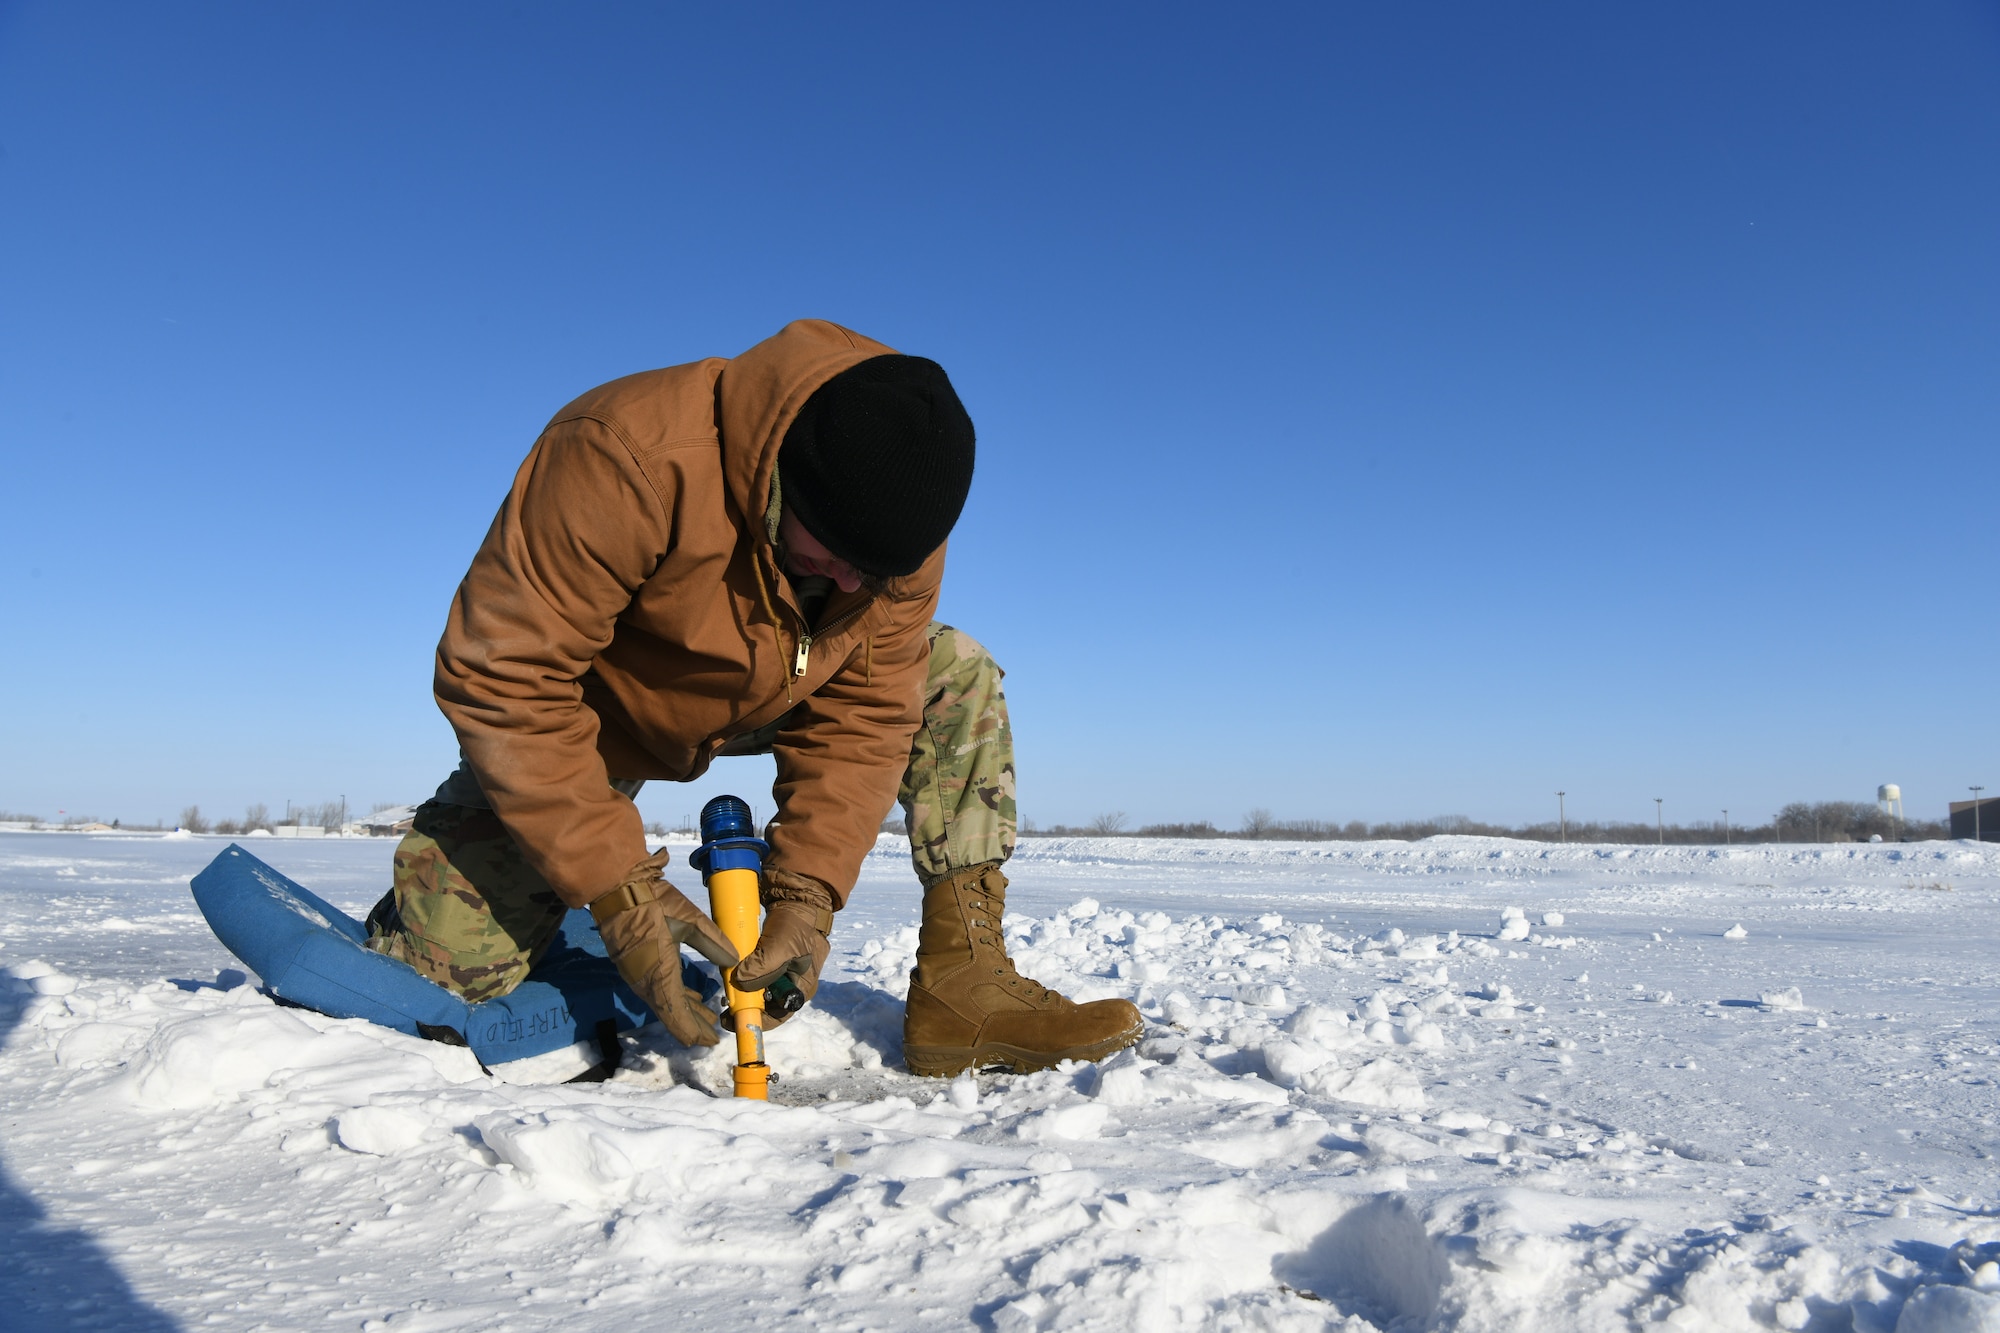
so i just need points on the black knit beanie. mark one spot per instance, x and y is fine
(878, 464)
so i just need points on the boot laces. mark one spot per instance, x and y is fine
(1034, 991)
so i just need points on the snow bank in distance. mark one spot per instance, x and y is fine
(1457, 852)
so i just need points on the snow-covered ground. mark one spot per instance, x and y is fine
(1457, 1084)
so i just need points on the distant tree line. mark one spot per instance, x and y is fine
(1801, 821)
(328, 815)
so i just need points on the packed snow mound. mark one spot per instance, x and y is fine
(1132, 1181)
(1356, 1106)
(1021, 1170)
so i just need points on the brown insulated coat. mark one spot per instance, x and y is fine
(626, 616)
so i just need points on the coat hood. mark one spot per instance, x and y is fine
(759, 396)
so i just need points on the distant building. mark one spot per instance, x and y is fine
(393, 822)
(1989, 818)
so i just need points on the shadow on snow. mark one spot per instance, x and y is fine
(56, 1277)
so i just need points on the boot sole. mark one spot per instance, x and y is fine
(951, 1061)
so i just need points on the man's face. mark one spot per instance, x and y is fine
(805, 556)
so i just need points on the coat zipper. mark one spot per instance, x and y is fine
(806, 639)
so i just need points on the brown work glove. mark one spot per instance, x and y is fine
(798, 917)
(644, 922)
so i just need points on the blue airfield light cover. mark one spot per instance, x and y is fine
(311, 953)
(727, 838)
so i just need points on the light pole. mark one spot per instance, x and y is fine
(1975, 812)
(1660, 809)
(1562, 816)
(1725, 828)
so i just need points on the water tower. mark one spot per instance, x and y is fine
(1889, 800)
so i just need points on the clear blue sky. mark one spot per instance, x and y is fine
(1384, 410)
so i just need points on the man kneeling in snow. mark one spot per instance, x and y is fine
(736, 556)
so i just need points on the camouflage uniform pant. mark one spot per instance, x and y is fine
(464, 907)
(466, 910)
(958, 792)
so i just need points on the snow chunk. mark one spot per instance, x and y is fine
(36, 977)
(1391, 1144)
(587, 1154)
(1736, 932)
(214, 1057)
(1425, 1034)
(1085, 1120)
(1788, 998)
(1949, 1310)
(1460, 1120)
(381, 1131)
(1289, 1062)
(209, 1058)
(1381, 1082)
(89, 1044)
(1502, 1002)
(1319, 1024)
(1121, 1081)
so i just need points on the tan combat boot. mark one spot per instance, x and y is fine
(969, 1008)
